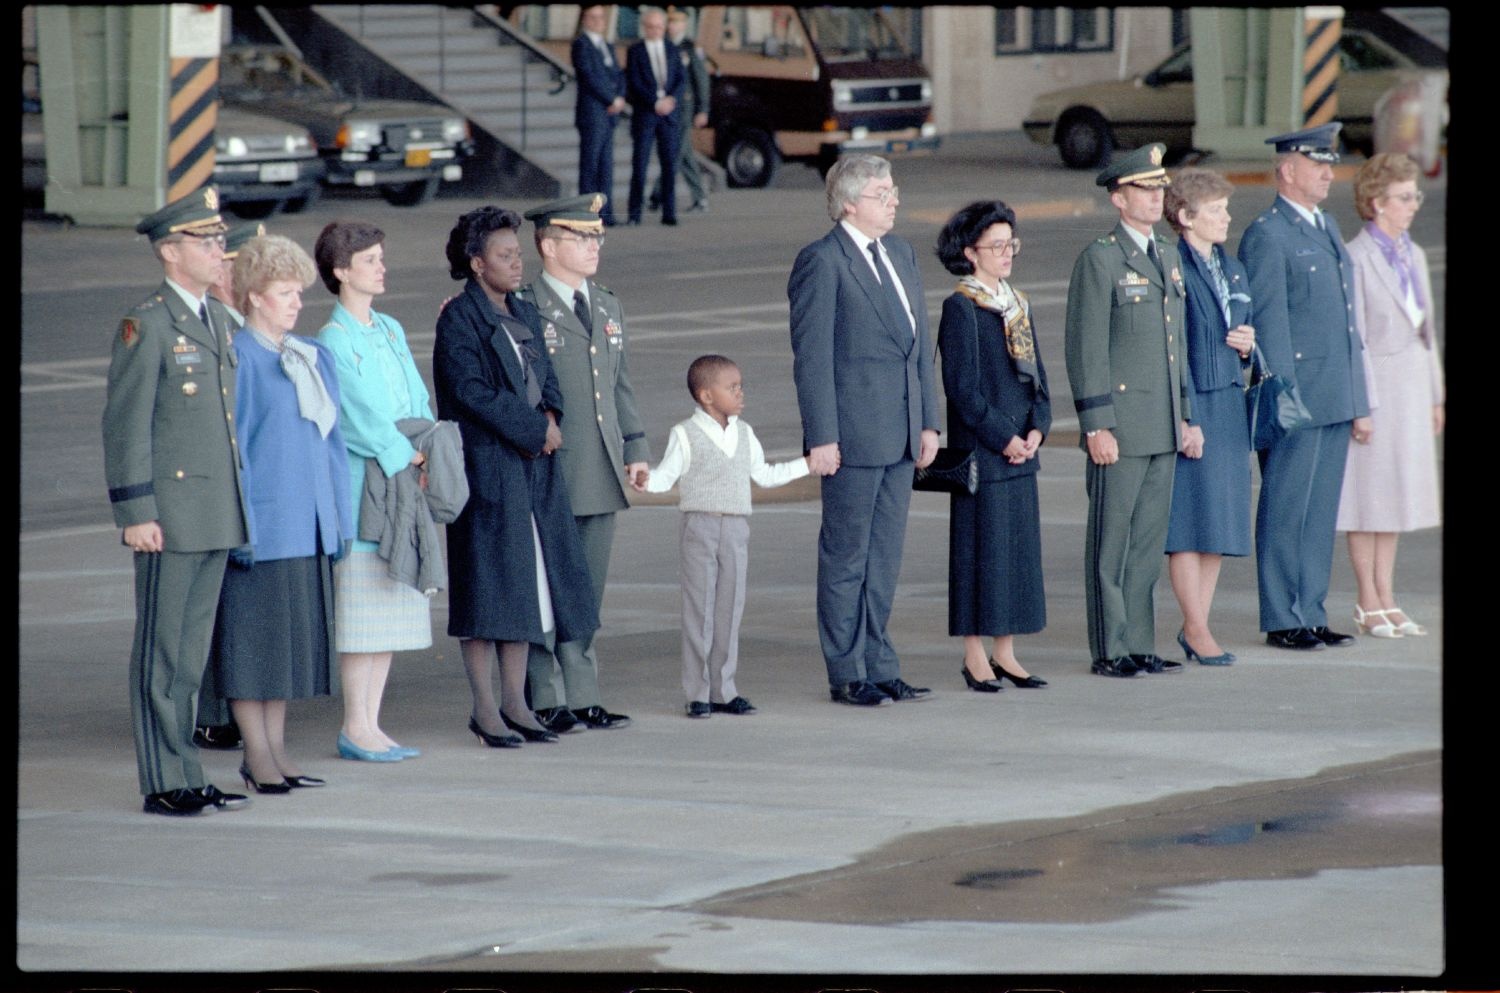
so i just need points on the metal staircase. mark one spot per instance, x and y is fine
(494, 74)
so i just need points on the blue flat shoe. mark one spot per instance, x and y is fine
(349, 750)
(406, 751)
(1226, 659)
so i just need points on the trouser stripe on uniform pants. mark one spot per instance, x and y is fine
(149, 730)
(1091, 592)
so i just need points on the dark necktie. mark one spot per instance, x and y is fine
(893, 302)
(203, 316)
(581, 311)
(1155, 259)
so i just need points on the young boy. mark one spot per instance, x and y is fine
(714, 455)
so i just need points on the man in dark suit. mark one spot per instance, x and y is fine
(1125, 356)
(601, 98)
(692, 114)
(654, 79)
(1302, 288)
(862, 360)
(173, 470)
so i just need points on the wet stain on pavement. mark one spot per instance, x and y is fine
(1112, 864)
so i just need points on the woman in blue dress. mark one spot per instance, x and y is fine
(376, 616)
(1211, 489)
(273, 635)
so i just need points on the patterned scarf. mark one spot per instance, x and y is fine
(1221, 282)
(1020, 341)
(1398, 255)
(299, 361)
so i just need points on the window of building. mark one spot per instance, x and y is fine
(1024, 30)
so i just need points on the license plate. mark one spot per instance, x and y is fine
(418, 157)
(278, 172)
(898, 146)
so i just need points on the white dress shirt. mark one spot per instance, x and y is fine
(863, 241)
(678, 457)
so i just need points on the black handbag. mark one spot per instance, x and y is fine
(954, 470)
(1273, 405)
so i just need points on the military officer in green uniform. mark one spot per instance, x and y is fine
(173, 472)
(1127, 368)
(604, 446)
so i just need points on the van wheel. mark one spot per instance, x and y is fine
(751, 159)
(411, 194)
(1084, 140)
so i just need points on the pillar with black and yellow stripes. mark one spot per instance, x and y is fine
(1321, 27)
(129, 105)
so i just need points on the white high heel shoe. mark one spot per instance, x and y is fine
(1408, 626)
(1364, 620)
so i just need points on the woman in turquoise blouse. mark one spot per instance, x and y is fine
(375, 615)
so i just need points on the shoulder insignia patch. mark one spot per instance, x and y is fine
(130, 332)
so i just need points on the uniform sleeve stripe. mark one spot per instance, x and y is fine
(633, 437)
(122, 493)
(1089, 403)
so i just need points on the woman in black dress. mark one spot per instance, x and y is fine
(516, 563)
(997, 405)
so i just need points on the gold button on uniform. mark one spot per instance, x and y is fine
(1122, 387)
(180, 474)
(189, 388)
(599, 418)
(593, 350)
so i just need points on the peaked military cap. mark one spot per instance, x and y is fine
(1321, 144)
(239, 234)
(1139, 167)
(580, 213)
(195, 214)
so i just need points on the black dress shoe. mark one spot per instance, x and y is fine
(598, 717)
(670, 222)
(1121, 666)
(898, 689)
(305, 782)
(558, 720)
(1332, 638)
(1022, 682)
(1155, 663)
(284, 786)
(175, 803)
(739, 705)
(1297, 639)
(698, 708)
(981, 685)
(530, 734)
(225, 737)
(494, 740)
(858, 695)
(219, 800)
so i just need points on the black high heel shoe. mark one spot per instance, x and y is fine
(530, 734)
(1022, 682)
(981, 685)
(250, 783)
(493, 740)
(305, 782)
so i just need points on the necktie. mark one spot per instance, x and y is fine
(203, 316)
(1155, 259)
(581, 310)
(893, 303)
(657, 66)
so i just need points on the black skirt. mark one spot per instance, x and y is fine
(274, 631)
(995, 560)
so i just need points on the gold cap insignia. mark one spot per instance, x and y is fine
(597, 203)
(211, 198)
(1156, 155)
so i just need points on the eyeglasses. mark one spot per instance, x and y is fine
(1408, 198)
(597, 240)
(884, 196)
(1011, 246)
(205, 240)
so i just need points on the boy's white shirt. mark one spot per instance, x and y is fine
(678, 456)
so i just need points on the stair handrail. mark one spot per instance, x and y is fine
(563, 73)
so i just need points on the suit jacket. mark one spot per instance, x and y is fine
(640, 80)
(1213, 364)
(863, 380)
(606, 431)
(1124, 345)
(599, 83)
(491, 557)
(695, 95)
(170, 454)
(296, 480)
(988, 402)
(1302, 292)
(1380, 312)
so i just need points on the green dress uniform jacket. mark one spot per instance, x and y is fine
(1127, 365)
(594, 377)
(170, 456)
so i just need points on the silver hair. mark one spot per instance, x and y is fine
(848, 179)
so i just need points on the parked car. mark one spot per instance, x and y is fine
(405, 148)
(1087, 123)
(262, 165)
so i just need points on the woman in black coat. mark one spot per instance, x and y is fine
(516, 564)
(998, 406)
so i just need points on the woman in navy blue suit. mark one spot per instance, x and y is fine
(1211, 489)
(998, 406)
